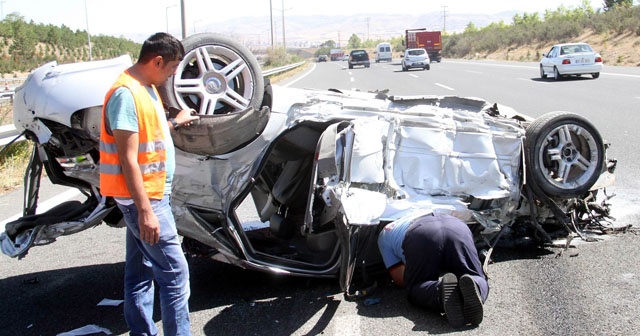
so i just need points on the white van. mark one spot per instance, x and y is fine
(383, 52)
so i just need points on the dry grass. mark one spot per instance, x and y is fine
(12, 172)
(12, 165)
(618, 50)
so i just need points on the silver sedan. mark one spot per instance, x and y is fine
(570, 59)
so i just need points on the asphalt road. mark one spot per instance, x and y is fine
(590, 289)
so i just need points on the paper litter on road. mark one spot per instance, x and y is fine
(86, 330)
(110, 302)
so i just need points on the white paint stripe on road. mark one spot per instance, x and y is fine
(415, 76)
(445, 87)
(474, 72)
(45, 206)
(301, 76)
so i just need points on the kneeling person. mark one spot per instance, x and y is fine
(435, 259)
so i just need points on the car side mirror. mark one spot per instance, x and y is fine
(544, 54)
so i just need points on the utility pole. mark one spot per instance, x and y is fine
(86, 15)
(184, 19)
(284, 42)
(444, 18)
(271, 21)
(368, 21)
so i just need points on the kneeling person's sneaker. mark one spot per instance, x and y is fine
(472, 308)
(451, 300)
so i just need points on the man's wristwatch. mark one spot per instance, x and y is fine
(174, 123)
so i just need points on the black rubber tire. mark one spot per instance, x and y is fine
(556, 74)
(564, 154)
(595, 75)
(542, 74)
(216, 95)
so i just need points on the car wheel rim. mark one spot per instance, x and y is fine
(216, 79)
(569, 156)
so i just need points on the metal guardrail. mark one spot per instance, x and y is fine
(9, 132)
(274, 71)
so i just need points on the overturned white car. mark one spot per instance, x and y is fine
(301, 181)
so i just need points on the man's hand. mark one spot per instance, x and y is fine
(149, 227)
(186, 117)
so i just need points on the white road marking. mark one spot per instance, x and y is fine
(301, 76)
(352, 79)
(412, 75)
(445, 87)
(474, 72)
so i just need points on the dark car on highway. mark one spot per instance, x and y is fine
(358, 57)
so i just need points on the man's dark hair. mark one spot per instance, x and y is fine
(161, 44)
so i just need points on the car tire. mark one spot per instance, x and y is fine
(542, 74)
(564, 154)
(428, 67)
(556, 74)
(595, 75)
(222, 81)
(226, 76)
(404, 68)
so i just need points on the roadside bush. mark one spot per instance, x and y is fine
(562, 24)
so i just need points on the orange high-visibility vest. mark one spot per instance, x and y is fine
(151, 147)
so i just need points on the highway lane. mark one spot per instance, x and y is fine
(592, 289)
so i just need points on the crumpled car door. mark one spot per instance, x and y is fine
(355, 211)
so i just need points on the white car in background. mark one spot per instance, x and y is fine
(415, 58)
(570, 59)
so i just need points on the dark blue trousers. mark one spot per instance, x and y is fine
(433, 246)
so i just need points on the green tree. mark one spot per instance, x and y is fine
(611, 4)
(330, 44)
(354, 42)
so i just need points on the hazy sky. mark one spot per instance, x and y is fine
(131, 17)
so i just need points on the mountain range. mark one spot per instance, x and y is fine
(309, 31)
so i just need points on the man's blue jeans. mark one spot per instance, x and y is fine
(165, 262)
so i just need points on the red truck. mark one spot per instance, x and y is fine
(429, 40)
(336, 54)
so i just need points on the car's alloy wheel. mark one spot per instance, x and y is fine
(564, 153)
(222, 81)
(217, 76)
